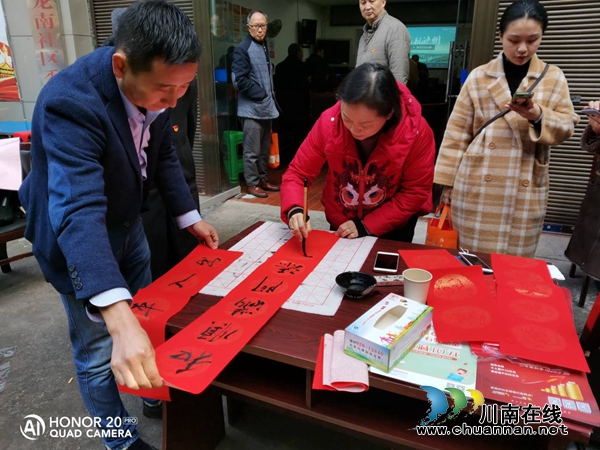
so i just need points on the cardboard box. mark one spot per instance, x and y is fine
(386, 333)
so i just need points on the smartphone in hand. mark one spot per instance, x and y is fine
(591, 112)
(522, 97)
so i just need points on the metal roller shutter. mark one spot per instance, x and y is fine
(102, 29)
(572, 42)
(101, 10)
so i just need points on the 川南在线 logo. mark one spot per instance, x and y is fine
(33, 427)
(440, 411)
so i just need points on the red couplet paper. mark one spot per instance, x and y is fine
(157, 303)
(539, 323)
(194, 357)
(463, 308)
(429, 259)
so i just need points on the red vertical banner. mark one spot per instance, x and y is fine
(47, 37)
(194, 357)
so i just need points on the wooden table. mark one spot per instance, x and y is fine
(275, 370)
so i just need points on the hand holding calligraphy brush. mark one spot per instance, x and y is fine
(304, 213)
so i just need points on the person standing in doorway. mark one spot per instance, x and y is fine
(319, 73)
(252, 76)
(292, 91)
(385, 40)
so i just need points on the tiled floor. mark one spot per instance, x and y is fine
(274, 198)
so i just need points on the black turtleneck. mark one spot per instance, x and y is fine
(366, 147)
(514, 74)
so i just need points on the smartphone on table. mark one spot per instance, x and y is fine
(591, 112)
(522, 97)
(386, 262)
(474, 260)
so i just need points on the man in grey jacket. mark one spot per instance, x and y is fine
(385, 40)
(252, 77)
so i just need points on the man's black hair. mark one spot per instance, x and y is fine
(294, 49)
(156, 29)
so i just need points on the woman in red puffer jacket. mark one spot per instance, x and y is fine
(380, 153)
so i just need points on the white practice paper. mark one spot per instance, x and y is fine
(318, 294)
(10, 164)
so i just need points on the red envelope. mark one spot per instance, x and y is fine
(463, 308)
(429, 259)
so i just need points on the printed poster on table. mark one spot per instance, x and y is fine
(523, 383)
(9, 91)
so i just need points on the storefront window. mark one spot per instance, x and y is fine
(227, 30)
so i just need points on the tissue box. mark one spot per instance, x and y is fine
(386, 333)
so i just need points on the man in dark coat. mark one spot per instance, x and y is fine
(292, 93)
(584, 246)
(319, 72)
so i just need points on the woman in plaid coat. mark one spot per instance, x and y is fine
(497, 180)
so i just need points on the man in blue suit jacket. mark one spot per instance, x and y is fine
(99, 138)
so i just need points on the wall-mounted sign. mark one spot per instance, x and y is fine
(9, 91)
(47, 37)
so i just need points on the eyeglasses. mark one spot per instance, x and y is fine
(259, 27)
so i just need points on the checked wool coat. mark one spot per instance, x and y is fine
(500, 178)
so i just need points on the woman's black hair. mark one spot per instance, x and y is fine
(524, 9)
(152, 29)
(374, 86)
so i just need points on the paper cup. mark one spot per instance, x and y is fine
(416, 284)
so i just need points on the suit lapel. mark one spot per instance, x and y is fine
(118, 115)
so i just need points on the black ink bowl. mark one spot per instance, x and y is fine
(356, 284)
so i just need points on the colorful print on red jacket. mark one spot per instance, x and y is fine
(372, 189)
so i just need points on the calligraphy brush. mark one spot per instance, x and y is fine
(304, 215)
